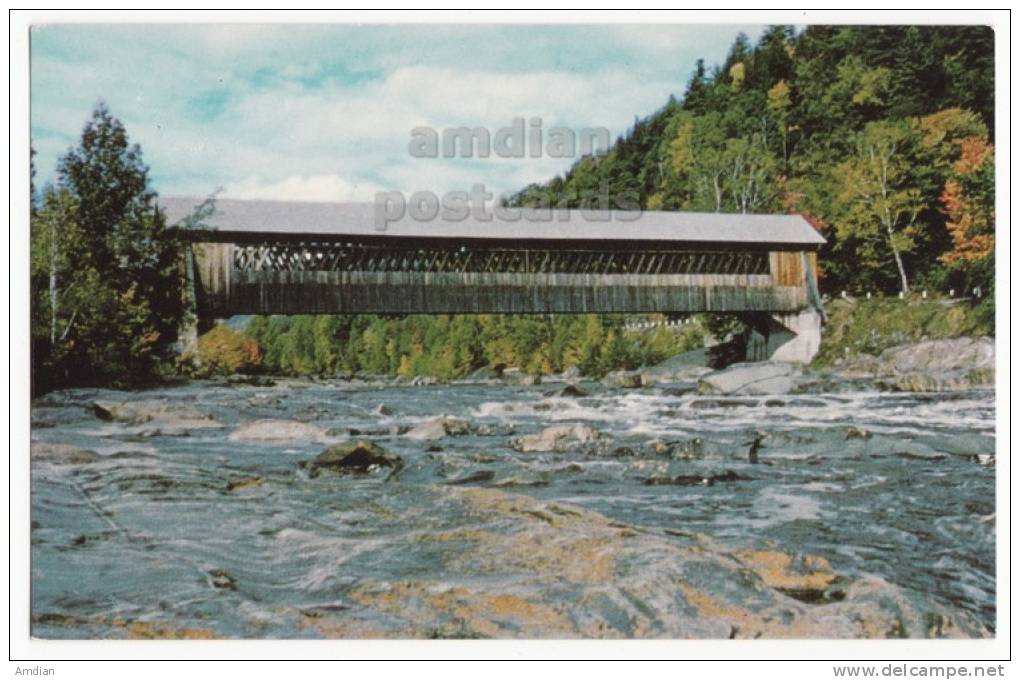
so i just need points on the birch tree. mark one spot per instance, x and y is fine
(56, 239)
(876, 191)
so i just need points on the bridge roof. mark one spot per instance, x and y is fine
(304, 219)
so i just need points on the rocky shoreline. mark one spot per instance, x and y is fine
(941, 365)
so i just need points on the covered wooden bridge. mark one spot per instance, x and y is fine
(269, 257)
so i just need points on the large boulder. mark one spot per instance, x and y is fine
(359, 456)
(439, 427)
(271, 430)
(177, 416)
(751, 379)
(680, 368)
(62, 454)
(929, 366)
(952, 354)
(556, 438)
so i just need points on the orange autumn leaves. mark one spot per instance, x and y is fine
(968, 201)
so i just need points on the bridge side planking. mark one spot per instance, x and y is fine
(226, 290)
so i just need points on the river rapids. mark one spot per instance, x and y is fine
(867, 514)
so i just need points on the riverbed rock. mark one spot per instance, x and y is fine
(568, 572)
(439, 427)
(177, 416)
(949, 381)
(804, 577)
(359, 456)
(252, 380)
(688, 366)
(221, 580)
(494, 430)
(727, 402)
(569, 391)
(246, 483)
(659, 447)
(623, 380)
(941, 355)
(680, 450)
(274, 431)
(155, 429)
(942, 365)
(515, 375)
(570, 374)
(857, 433)
(484, 374)
(678, 389)
(768, 377)
(473, 478)
(62, 454)
(556, 438)
(695, 480)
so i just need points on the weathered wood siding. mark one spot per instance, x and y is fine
(787, 268)
(214, 265)
(812, 263)
(223, 290)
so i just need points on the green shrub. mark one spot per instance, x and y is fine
(224, 351)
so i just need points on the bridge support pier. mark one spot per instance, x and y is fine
(187, 337)
(187, 334)
(793, 337)
(195, 322)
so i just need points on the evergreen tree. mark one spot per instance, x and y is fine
(113, 291)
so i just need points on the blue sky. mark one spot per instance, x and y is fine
(325, 112)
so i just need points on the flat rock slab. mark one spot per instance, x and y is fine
(272, 430)
(153, 411)
(62, 454)
(751, 379)
(940, 355)
(555, 438)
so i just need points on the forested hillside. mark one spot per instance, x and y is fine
(882, 136)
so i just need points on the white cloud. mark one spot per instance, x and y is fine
(325, 188)
(274, 113)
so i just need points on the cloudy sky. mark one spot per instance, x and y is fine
(325, 112)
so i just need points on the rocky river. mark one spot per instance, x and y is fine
(680, 505)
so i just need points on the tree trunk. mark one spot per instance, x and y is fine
(887, 217)
(903, 272)
(53, 285)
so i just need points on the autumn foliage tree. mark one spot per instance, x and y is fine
(223, 351)
(969, 202)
